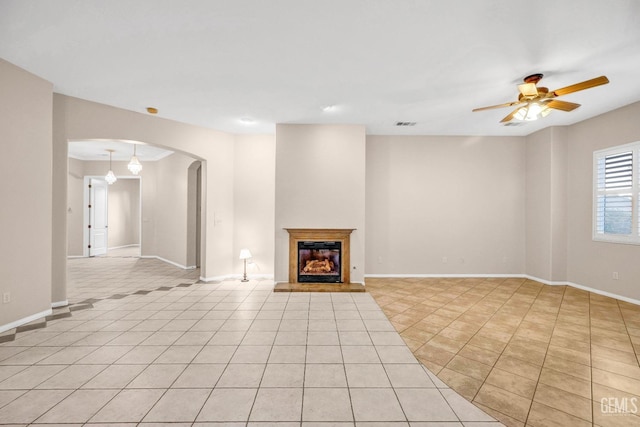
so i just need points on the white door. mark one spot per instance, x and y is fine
(98, 225)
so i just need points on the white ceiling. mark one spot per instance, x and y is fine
(96, 149)
(214, 62)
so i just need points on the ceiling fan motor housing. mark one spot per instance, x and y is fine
(533, 78)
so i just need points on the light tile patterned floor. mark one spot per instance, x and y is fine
(218, 354)
(118, 273)
(525, 352)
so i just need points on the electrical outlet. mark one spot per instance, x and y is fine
(6, 297)
(461, 260)
(444, 260)
(615, 275)
(379, 260)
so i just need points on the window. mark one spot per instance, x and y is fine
(616, 174)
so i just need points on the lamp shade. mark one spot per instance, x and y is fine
(110, 177)
(245, 254)
(134, 165)
(532, 111)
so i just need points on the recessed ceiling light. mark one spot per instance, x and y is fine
(247, 121)
(152, 110)
(329, 108)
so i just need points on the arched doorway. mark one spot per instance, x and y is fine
(165, 210)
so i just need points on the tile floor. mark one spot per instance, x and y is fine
(218, 354)
(119, 273)
(526, 353)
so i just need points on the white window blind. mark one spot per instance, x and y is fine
(616, 184)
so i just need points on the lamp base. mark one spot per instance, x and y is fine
(244, 280)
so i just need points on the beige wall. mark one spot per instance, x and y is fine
(459, 198)
(254, 202)
(75, 207)
(124, 212)
(25, 189)
(59, 207)
(320, 183)
(546, 181)
(171, 207)
(78, 169)
(592, 263)
(538, 204)
(164, 189)
(84, 120)
(558, 198)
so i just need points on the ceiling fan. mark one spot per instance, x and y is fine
(535, 102)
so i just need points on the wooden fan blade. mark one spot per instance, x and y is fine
(528, 89)
(561, 105)
(510, 116)
(508, 104)
(602, 80)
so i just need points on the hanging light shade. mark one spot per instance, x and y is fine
(134, 165)
(110, 177)
(532, 111)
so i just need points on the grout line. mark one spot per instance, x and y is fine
(558, 312)
(344, 364)
(484, 297)
(546, 353)
(508, 342)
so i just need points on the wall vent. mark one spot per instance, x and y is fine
(405, 123)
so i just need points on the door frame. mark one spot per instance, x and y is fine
(86, 213)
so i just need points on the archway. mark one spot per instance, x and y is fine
(167, 208)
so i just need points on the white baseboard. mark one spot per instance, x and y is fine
(75, 256)
(585, 288)
(545, 281)
(524, 276)
(604, 293)
(25, 320)
(59, 304)
(124, 246)
(402, 276)
(184, 267)
(237, 277)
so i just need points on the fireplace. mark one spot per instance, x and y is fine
(319, 262)
(319, 256)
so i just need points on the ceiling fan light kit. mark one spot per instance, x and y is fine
(539, 101)
(532, 111)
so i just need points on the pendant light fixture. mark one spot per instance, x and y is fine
(110, 177)
(134, 165)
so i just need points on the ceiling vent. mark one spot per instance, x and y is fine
(405, 123)
(512, 124)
